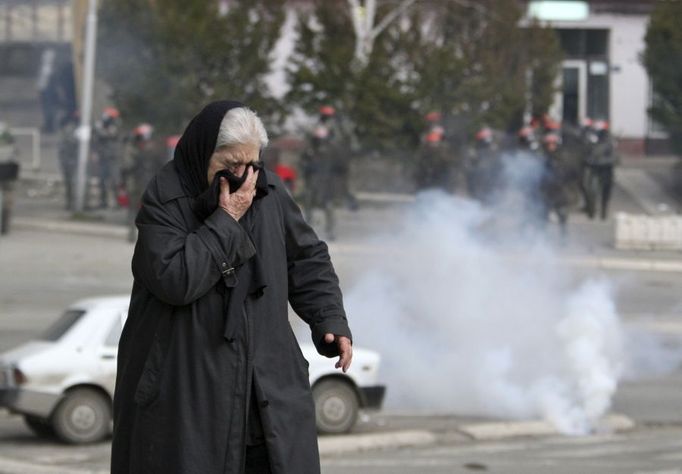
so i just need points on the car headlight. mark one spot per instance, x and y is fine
(11, 376)
(18, 377)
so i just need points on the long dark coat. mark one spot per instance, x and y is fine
(183, 384)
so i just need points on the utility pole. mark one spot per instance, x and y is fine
(85, 130)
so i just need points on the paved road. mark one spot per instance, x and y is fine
(645, 450)
(640, 452)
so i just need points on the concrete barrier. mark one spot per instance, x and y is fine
(644, 232)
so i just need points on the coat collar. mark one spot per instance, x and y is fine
(170, 188)
(168, 183)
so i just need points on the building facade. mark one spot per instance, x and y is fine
(603, 76)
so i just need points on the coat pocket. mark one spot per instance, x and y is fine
(149, 384)
(297, 349)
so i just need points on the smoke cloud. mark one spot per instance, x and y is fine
(474, 314)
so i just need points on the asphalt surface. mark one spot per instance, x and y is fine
(638, 452)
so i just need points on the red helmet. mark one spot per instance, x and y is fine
(327, 111)
(550, 124)
(111, 112)
(551, 139)
(600, 125)
(526, 132)
(433, 116)
(143, 131)
(172, 141)
(484, 134)
(435, 135)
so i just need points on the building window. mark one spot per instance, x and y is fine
(596, 43)
(582, 43)
(598, 90)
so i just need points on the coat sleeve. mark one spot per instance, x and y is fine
(178, 266)
(314, 291)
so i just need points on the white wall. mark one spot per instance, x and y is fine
(629, 85)
(629, 81)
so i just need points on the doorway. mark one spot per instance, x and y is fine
(572, 98)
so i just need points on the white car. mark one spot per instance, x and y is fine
(63, 382)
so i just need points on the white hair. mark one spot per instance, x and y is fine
(241, 126)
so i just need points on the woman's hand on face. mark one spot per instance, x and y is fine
(237, 203)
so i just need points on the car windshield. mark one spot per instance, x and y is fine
(63, 324)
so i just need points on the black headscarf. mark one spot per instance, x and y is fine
(193, 153)
(197, 144)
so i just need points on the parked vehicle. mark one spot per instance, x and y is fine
(63, 382)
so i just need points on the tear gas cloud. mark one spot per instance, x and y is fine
(474, 314)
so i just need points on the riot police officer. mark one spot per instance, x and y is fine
(320, 167)
(67, 153)
(107, 148)
(143, 158)
(600, 163)
(482, 168)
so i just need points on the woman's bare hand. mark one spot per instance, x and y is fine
(237, 203)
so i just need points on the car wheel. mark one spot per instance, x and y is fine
(83, 416)
(39, 426)
(336, 406)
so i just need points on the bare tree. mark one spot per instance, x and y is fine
(363, 16)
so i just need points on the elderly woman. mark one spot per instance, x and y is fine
(210, 376)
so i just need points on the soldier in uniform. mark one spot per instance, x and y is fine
(107, 148)
(527, 140)
(600, 162)
(319, 171)
(559, 183)
(10, 170)
(433, 166)
(483, 166)
(68, 159)
(143, 158)
(341, 158)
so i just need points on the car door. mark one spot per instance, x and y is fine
(109, 350)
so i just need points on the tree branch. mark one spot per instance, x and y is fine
(388, 19)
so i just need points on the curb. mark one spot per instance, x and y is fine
(331, 445)
(604, 263)
(486, 431)
(384, 197)
(502, 430)
(13, 466)
(619, 263)
(82, 228)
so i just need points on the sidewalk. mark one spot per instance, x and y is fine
(449, 428)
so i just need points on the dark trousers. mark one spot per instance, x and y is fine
(605, 174)
(257, 460)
